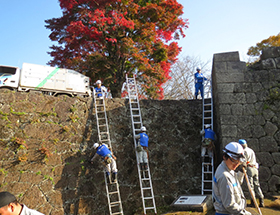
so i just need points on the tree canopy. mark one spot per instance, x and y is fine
(107, 39)
(255, 51)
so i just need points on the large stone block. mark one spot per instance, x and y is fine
(268, 114)
(237, 109)
(256, 87)
(225, 109)
(229, 130)
(274, 75)
(259, 120)
(276, 157)
(228, 119)
(219, 67)
(225, 87)
(249, 110)
(268, 144)
(268, 64)
(270, 128)
(277, 61)
(258, 131)
(253, 143)
(244, 132)
(275, 169)
(274, 183)
(264, 173)
(230, 77)
(226, 56)
(270, 52)
(251, 98)
(232, 98)
(265, 159)
(244, 121)
(277, 136)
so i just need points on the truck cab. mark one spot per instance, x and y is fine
(9, 77)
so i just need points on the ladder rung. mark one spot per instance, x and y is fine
(207, 104)
(207, 164)
(148, 197)
(207, 111)
(207, 181)
(114, 192)
(150, 208)
(207, 172)
(210, 190)
(146, 188)
(117, 213)
(136, 122)
(208, 117)
(145, 179)
(115, 203)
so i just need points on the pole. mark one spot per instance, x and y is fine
(251, 192)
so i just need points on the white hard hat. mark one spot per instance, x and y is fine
(143, 128)
(98, 82)
(198, 68)
(235, 151)
(207, 126)
(95, 145)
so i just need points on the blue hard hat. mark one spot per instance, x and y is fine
(242, 141)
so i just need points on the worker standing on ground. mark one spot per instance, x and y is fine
(208, 138)
(109, 160)
(100, 90)
(252, 172)
(199, 78)
(228, 196)
(10, 206)
(142, 148)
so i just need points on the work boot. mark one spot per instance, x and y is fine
(145, 166)
(251, 204)
(261, 203)
(108, 178)
(114, 177)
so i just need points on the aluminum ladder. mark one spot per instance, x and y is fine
(145, 180)
(112, 189)
(208, 162)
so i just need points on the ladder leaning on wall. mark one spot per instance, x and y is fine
(112, 189)
(145, 180)
(208, 162)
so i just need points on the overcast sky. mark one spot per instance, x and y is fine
(215, 26)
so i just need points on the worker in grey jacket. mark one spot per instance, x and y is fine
(252, 172)
(228, 196)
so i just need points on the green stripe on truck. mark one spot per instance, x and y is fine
(47, 78)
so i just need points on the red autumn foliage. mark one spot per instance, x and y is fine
(107, 39)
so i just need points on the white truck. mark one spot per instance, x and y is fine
(49, 80)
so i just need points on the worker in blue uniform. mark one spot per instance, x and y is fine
(142, 148)
(100, 90)
(108, 159)
(208, 138)
(199, 78)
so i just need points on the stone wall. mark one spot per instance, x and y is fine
(46, 142)
(246, 105)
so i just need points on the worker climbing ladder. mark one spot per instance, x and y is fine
(208, 162)
(145, 180)
(112, 188)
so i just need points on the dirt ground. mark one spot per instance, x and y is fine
(272, 207)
